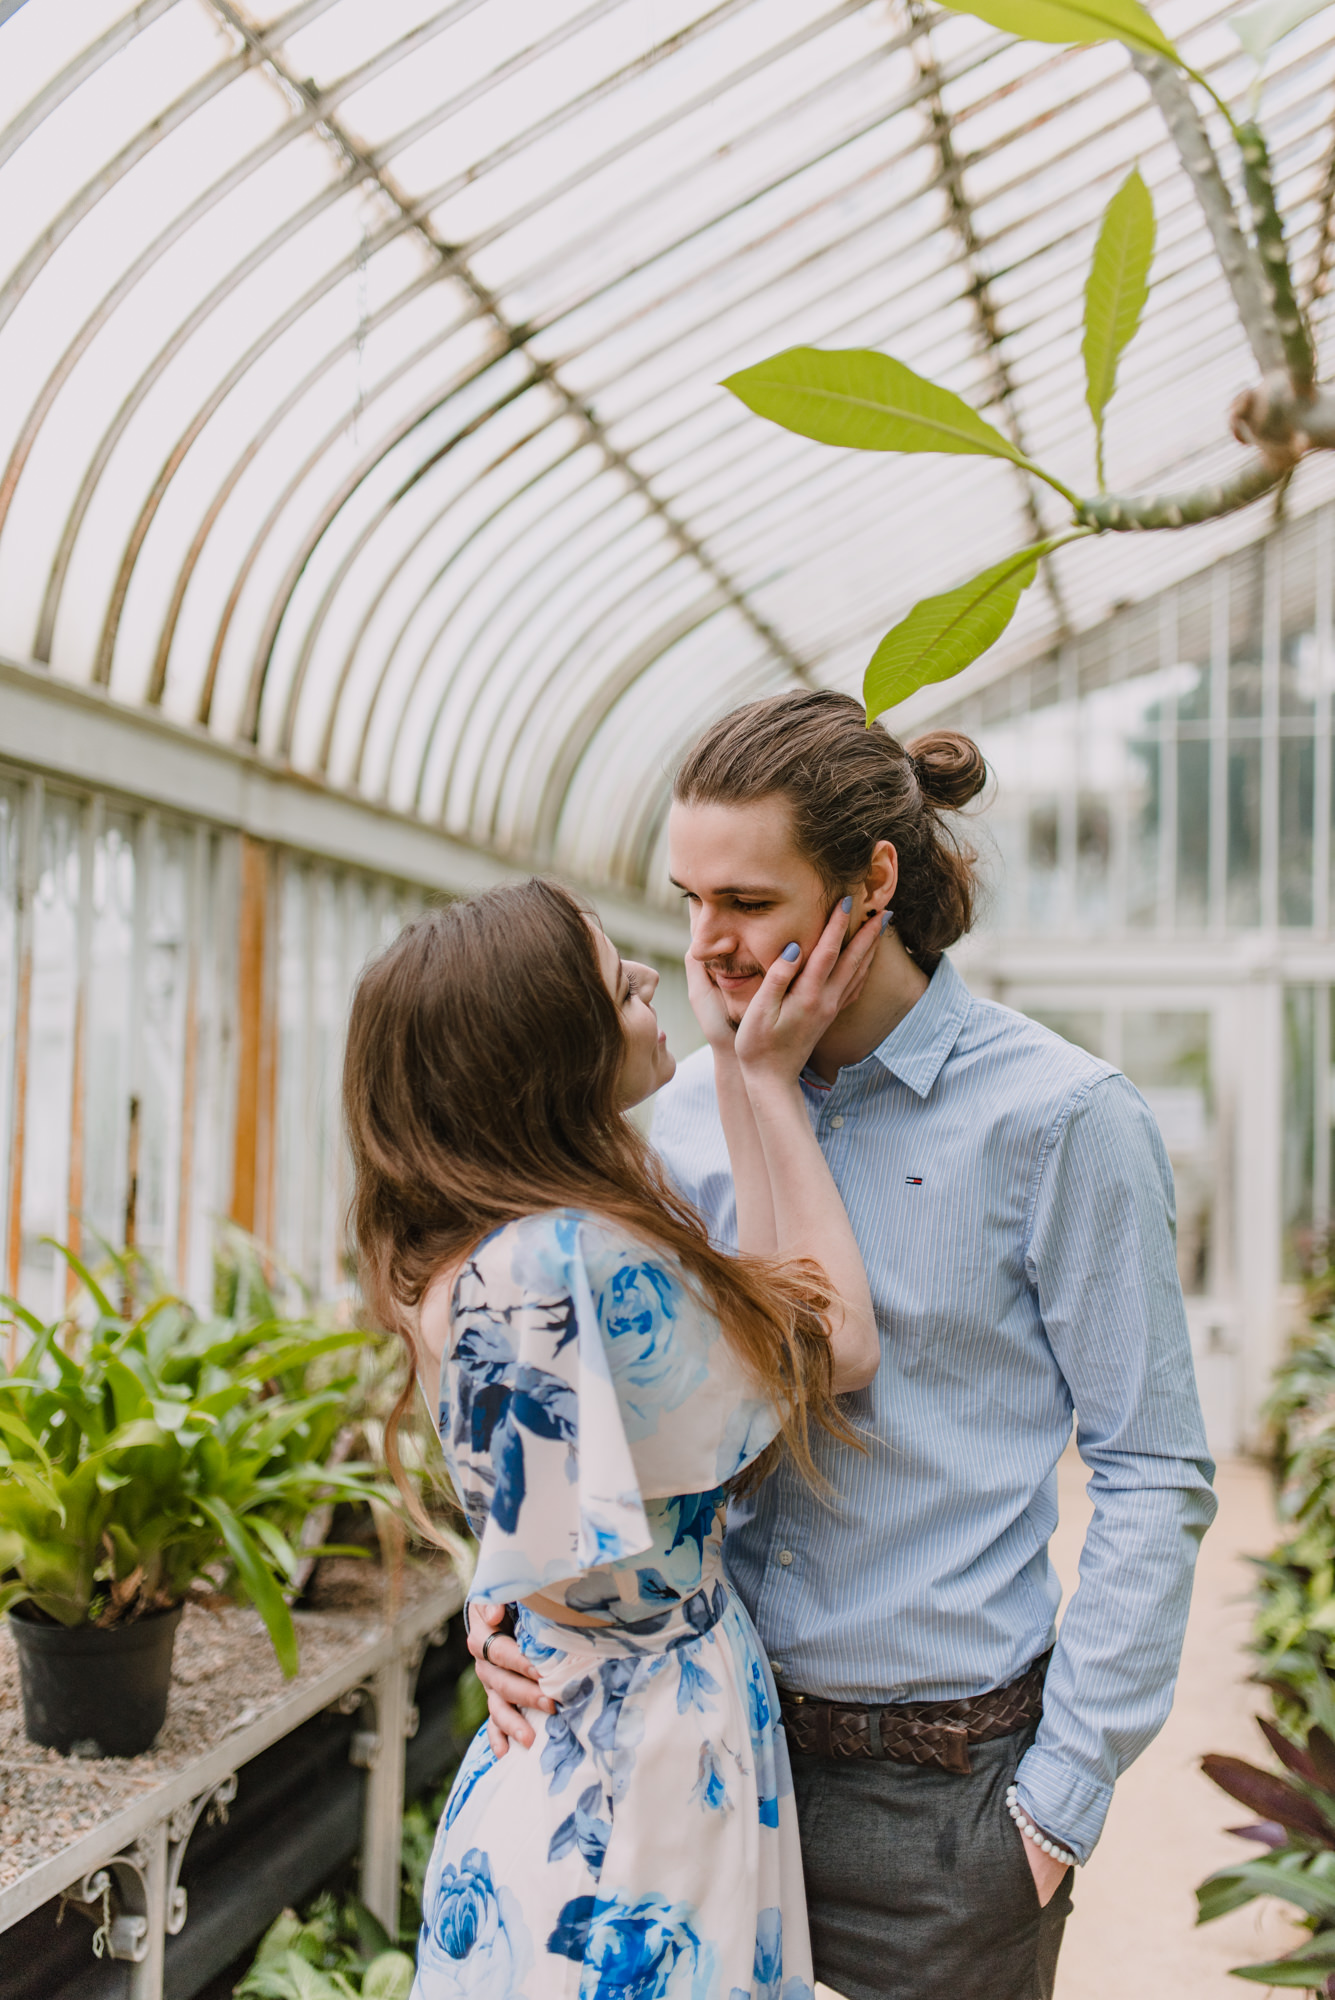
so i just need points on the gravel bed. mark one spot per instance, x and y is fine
(224, 1677)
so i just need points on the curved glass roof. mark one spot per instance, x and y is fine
(360, 364)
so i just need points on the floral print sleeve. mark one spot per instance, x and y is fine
(583, 1379)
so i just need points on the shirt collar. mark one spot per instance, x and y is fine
(916, 1049)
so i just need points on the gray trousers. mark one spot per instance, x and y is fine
(917, 1883)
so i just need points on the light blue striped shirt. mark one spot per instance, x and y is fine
(1014, 1207)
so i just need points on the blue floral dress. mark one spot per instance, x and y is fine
(645, 1847)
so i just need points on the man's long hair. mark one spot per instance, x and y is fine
(847, 787)
(480, 1084)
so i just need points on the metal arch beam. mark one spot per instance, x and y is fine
(84, 65)
(577, 106)
(130, 404)
(512, 337)
(905, 100)
(843, 10)
(515, 637)
(828, 470)
(278, 415)
(396, 569)
(487, 521)
(659, 581)
(421, 412)
(317, 104)
(315, 625)
(635, 845)
(657, 562)
(662, 563)
(312, 459)
(217, 191)
(581, 732)
(162, 648)
(514, 66)
(81, 204)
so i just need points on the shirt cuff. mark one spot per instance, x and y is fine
(1068, 1805)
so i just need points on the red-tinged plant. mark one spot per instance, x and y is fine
(1296, 1829)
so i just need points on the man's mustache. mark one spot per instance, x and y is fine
(733, 968)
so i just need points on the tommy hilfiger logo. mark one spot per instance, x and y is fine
(913, 1180)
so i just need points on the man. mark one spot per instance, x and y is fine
(1013, 1204)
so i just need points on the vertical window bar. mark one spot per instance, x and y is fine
(1168, 651)
(145, 842)
(90, 827)
(1321, 1114)
(1219, 650)
(1068, 797)
(1272, 586)
(30, 827)
(1321, 724)
(1119, 859)
(197, 877)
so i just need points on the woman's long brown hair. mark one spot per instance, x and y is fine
(480, 1084)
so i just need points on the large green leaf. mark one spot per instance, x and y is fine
(1073, 21)
(1259, 28)
(1115, 293)
(258, 1582)
(856, 397)
(389, 1976)
(943, 635)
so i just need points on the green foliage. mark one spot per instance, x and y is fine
(1115, 295)
(1294, 1635)
(1082, 21)
(143, 1458)
(338, 1951)
(942, 635)
(1297, 1864)
(855, 397)
(865, 401)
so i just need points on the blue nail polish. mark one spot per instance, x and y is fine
(885, 920)
(846, 905)
(790, 952)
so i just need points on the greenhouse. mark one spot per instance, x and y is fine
(422, 425)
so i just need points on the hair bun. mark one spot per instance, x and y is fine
(951, 768)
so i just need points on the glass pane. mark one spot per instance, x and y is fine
(1296, 761)
(1193, 834)
(110, 1030)
(293, 1158)
(1073, 1024)
(162, 1042)
(1244, 833)
(1166, 1054)
(1297, 1135)
(53, 1010)
(11, 804)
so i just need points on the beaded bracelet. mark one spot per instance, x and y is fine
(1031, 1832)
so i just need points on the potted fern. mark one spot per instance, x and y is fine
(145, 1461)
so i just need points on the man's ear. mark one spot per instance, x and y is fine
(882, 877)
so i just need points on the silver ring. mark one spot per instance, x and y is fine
(487, 1645)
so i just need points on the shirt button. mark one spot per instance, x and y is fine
(776, 1666)
(837, 1120)
(785, 1557)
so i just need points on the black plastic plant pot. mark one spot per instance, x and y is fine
(98, 1693)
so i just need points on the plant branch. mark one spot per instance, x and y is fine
(1123, 513)
(1274, 254)
(1243, 267)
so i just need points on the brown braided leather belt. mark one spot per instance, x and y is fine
(914, 1732)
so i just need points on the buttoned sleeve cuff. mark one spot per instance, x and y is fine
(1069, 1805)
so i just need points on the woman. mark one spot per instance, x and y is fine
(605, 1376)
